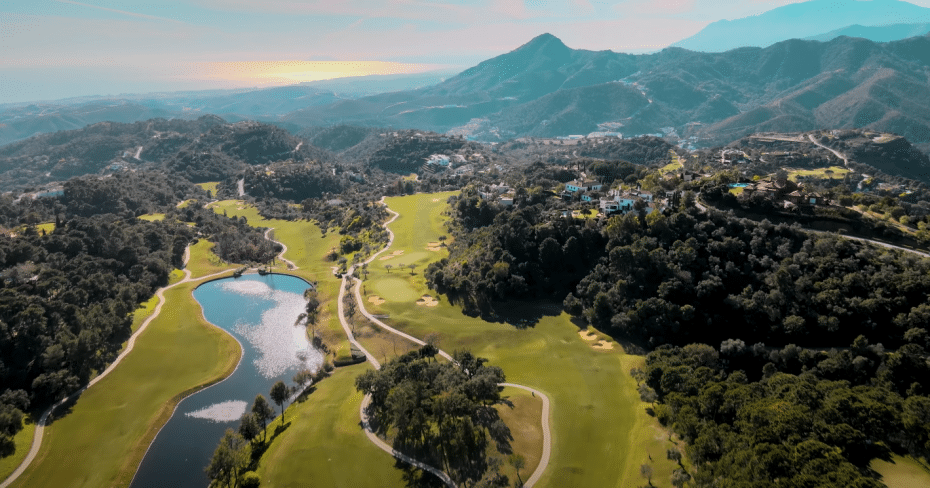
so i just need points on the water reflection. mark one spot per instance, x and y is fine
(259, 311)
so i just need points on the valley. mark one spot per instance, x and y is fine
(699, 266)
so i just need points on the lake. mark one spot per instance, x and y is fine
(259, 311)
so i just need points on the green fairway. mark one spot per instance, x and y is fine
(395, 289)
(594, 399)
(326, 438)
(833, 173)
(523, 421)
(202, 260)
(23, 441)
(903, 472)
(153, 217)
(675, 165)
(210, 186)
(107, 430)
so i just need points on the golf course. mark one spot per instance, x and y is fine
(594, 402)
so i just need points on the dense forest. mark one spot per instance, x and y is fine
(685, 276)
(67, 296)
(757, 416)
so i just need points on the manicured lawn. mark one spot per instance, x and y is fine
(674, 166)
(202, 260)
(23, 442)
(903, 472)
(600, 430)
(209, 186)
(833, 172)
(325, 443)
(523, 421)
(153, 217)
(104, 436)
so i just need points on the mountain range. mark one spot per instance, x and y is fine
(19, 121)
(813, 19)
(546, 89)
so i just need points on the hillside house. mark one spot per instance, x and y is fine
(438, 160)
(618, 204)
(577, 185)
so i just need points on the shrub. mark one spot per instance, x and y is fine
(250, 480)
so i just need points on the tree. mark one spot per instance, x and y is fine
(647, 394)
(680, 477)
(645, 471)
(411, 266)
(518, 462)
(248, 427)
(303, 378)
(262, 412)
(388, 267)
(230, 459)
(279, 394)
(674, 454)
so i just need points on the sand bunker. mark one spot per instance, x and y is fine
(375, 300)
(586, 335)
(433, 246)
(392, 255)
(606, 346)
(428, 301)
(435, 200)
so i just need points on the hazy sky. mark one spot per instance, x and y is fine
(59, 48)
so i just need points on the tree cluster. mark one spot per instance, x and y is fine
(439, 412)
(791, 417)
(694, 276)
(520, 253)
(66, 298)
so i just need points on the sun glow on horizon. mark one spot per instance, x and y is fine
(278, 72)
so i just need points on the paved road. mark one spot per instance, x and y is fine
(43, 420)
(547, 436)
(290, 264)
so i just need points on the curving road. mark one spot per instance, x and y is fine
(43, 420)
(547, 437)
(290, 264)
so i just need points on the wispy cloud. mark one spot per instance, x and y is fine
(123, 12)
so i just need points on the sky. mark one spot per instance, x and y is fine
(53, 49)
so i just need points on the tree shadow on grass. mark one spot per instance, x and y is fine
(523, 314)
(416, 477)
(64, 409)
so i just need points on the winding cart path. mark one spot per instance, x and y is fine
(43, 420)
(349, 275)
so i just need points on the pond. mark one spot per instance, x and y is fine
(259, 311)
(738, 185)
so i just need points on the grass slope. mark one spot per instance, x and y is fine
(903, 472)
(22, 442)
(325, 436)
(105, 433)
(601, 434)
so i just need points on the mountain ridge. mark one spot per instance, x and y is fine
(800, 20)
